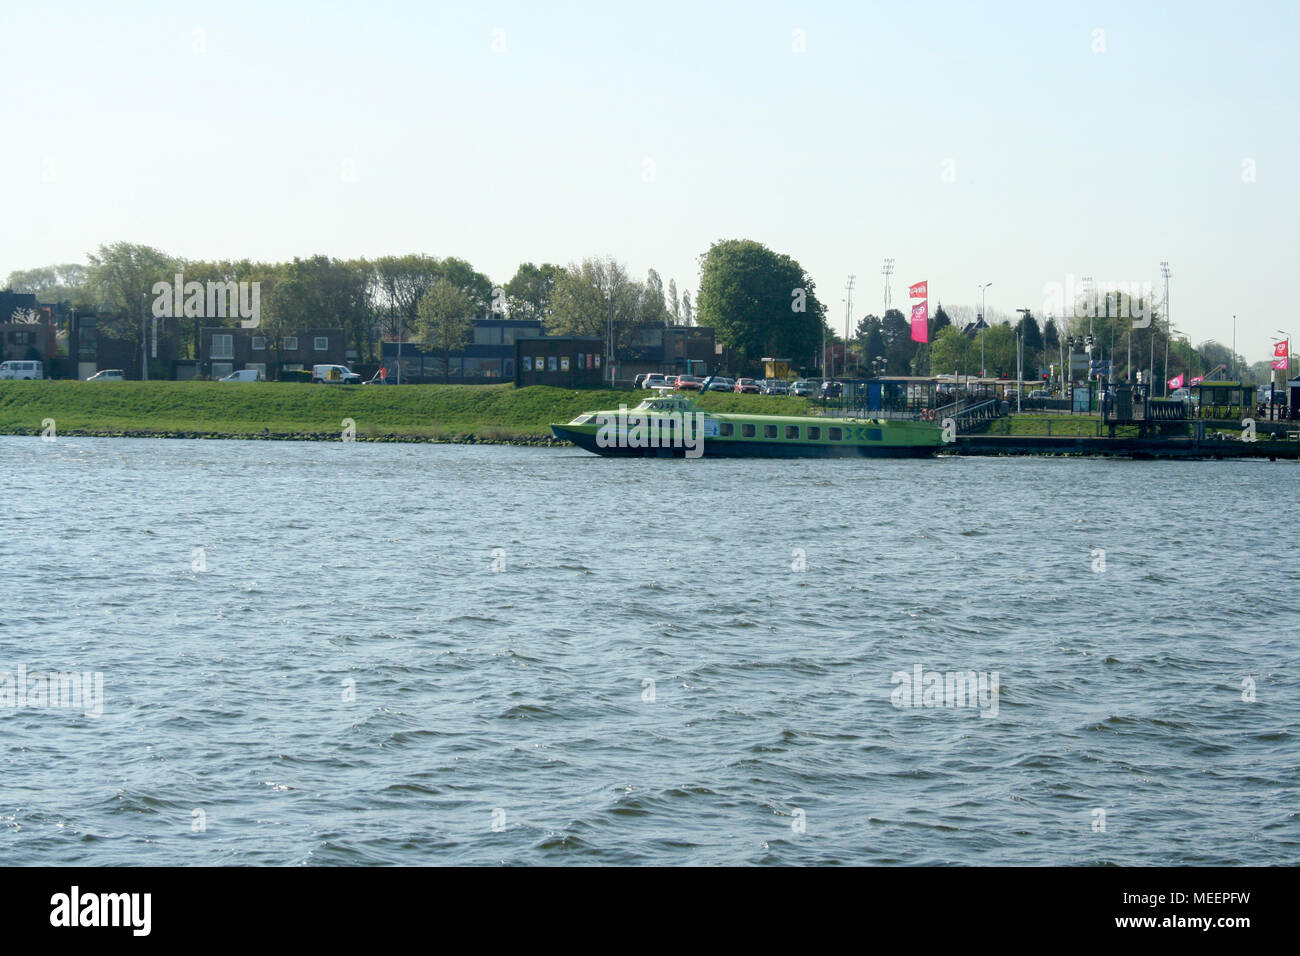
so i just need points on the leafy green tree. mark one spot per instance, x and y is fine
(476, 286)
(760, 302)
(688, 311)
(339, 292)
(1033, 341)
(938, 322)
(443, 322)
(121, 277)
(951, 352)
(588, 296)
(896, 330)
(51, 284)
(528, 294)
(400, 282)
(654, 310)
(674, 303)
(1051, 337)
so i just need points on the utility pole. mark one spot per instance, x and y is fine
(1020, 356)
(848, 316)
(144, 336)
(983, 372)
(1164, 271)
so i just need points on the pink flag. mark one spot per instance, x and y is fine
(1197, 380)
(918, 291)
(921, 322)
(1176, 381)
(1282, 355)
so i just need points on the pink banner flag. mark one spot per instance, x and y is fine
(921, 322)
(1282, 355)
(1197, 380)
(918, 291)
(1176, 382)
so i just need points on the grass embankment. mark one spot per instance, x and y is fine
(487, 413)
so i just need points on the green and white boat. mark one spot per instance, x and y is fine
(673, 425)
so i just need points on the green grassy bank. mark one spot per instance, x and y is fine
(500, 413)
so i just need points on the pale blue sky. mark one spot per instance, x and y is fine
(645, 131)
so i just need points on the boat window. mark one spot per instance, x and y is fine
(836, 434)
(874, 434)
(769, 431)
(814, 433)
(791, 431)
(726, 429)
(747, 431)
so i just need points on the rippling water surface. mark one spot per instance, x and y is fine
(349, 681)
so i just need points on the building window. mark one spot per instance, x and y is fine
(791, 431)
(550, 363)
(220, 369)
(290, 343)
(223, 347)
(259, 343)
(528, 363)
(564, 363)
(322, 343)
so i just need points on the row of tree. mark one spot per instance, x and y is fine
(429, 298)
(759, 302)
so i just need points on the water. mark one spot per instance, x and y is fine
(506, 716)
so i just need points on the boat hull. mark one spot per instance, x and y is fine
(747, 448)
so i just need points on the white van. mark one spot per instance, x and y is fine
(243, 375)
(23, 369)
(339, 374)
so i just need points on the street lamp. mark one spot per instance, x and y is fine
(982, 288)
(1020, 356)
(1170, 332)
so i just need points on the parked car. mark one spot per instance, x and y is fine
(1187, 395)
(746, 386)
(336, 374)
(22, 369)
(108, 375)
(722, 384)
(832, 389)
(686, 383)
(243, 375)
(776, 387)
(639, 381)
(654, 380)
(802, 388)
(1040, 393)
